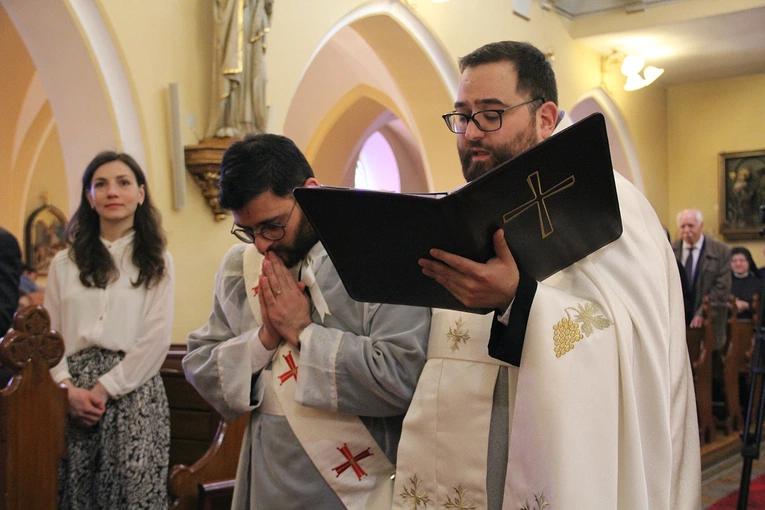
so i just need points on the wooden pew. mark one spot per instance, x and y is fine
(737, 360)
(700, 345)
(745, 368)
(204, 479)
(215, 470)
(193, 421)
(216, 495)
(32, 414)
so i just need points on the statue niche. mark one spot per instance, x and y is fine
(239, 89)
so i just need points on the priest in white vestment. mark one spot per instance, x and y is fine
(578, 392)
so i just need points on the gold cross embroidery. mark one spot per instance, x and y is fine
(545, 223)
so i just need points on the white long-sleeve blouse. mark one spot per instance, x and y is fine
(135, 320)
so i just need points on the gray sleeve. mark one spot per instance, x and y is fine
(218, 363)
(369, 370)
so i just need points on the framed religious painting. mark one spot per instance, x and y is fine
(742, 192)
(44, 237)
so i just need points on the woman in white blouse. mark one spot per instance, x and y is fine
(111, 297)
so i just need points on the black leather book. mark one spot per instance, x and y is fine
(556, 202)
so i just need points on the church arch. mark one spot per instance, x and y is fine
(415, 97)
(86, 86)
(335, 146)
(623, 153)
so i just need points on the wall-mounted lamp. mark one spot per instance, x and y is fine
(631, 67)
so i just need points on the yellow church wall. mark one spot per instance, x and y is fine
(427, 98)
(31, 163)
(14, 86)
(645, 112)
(705, 119)
(646, 115)
(160, 43)
(460, 27)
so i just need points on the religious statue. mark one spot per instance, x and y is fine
(239, 70)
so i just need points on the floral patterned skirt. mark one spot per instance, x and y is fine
(122, 461)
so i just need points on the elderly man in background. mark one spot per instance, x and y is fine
(707, 267)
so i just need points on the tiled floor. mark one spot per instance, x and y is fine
(726, 478)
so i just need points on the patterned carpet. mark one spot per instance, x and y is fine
(725, 480)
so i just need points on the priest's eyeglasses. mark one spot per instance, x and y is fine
(270, 231)
(485, 120)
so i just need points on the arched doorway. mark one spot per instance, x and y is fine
(356, 85)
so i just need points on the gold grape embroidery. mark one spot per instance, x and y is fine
(568, 331)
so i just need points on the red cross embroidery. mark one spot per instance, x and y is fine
(255, 290)
(292, 372)
(352, 461)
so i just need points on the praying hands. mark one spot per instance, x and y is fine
(285, 306)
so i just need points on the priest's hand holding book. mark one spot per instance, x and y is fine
(477, 285)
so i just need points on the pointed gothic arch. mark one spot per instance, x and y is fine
(623, 153)
(415, 92)
(86, 85)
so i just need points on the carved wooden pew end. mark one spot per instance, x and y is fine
(32, 413)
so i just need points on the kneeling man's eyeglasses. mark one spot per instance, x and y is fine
(270, 231)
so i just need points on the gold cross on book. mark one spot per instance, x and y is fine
(545, 223)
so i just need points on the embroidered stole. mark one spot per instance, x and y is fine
(338, 444)
(442, 456)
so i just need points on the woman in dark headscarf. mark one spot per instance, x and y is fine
(746, 281)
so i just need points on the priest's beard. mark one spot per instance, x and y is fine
(497, 154)
(305, 238)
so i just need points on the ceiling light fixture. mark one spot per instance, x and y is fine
(631, 67)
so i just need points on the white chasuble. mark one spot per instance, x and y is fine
(565, 430)
(601, 409)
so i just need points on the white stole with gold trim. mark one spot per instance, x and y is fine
(450, 417)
